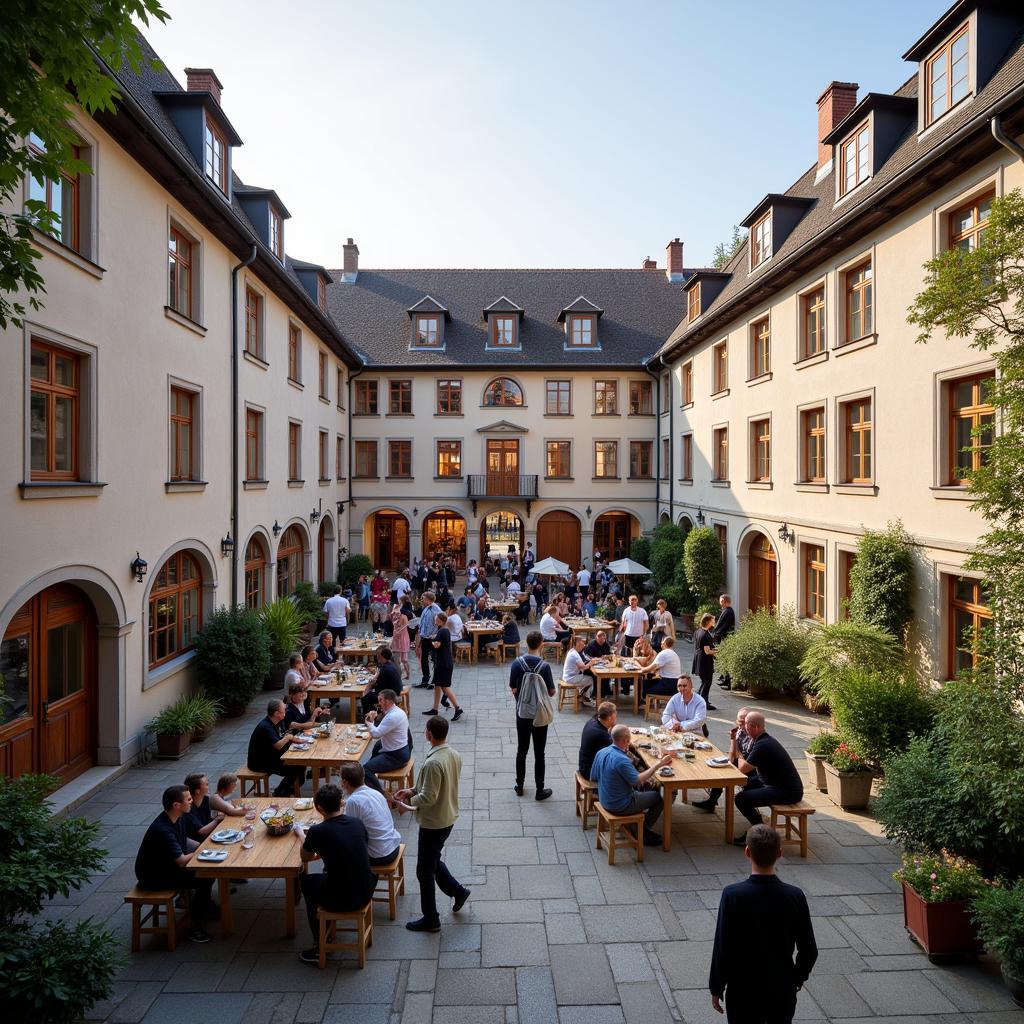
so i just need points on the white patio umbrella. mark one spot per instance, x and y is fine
(550, 567)
(627, 567)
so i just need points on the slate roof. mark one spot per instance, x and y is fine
(824, 214)
(640, 309)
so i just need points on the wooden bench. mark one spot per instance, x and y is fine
(655, 703)
(398, 778)
(613, 831)
(392, 875)
(358, 923)
(568, 694)
(159, 901)
(253, 783)
(586, 797)
(794, 819)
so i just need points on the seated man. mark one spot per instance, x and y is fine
(201, 818)
(617, 780)
(665, 666)
(573, 671)
(552, 628)
(483, 613)
(393, 746)
(596, 735)
(739, 744)
(388, 677)
(326, 658)
(346, 883)
(267, 743)
(687, 710)
(163, 858)
(372, 809)
(599, 647)
(780, 781)
(466, 603)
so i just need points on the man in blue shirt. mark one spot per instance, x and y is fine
(425, 641)
(617, 779)
(686, 711)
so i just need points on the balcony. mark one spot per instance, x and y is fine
(502, 485)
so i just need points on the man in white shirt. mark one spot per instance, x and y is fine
(583, 579)
(371, 808)
(393, 747)
(573, 671)
(634, 624)
(665, 668)
(687, 710)
(336, 609)
(401, 587)
(513, 589)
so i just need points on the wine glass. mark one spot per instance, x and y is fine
(248, 837)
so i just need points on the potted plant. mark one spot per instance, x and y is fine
(173, 728)
(283, 624)
(205, 710)
(999, 915)
(821, 747)
(937, 894)
(763, 656)
(848, 778)
(233, 657)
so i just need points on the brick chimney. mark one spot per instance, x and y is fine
(350, 261)
(204, 80)
(833, 105)
(649, 264)
(674, 260)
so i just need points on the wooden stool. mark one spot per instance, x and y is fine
(495, 651)
(403, 702)
(398, 778)
(586, 797)
(463, 652)
(159, 901)
(608, 829)
(358, 922)
(794, 823)
(654, 702)
(568, 694)
(253, 783)
(551, 646)
(510, 651)
(393, 875)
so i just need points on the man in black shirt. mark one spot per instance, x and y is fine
(346, 882)
(266, 744)
(388, 677)
(760, 922)
(725, 625)
(599, 648)
(164, 855)
(780, 781)
(526, 731)
(596, 735)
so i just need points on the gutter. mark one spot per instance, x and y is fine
(1003, 139)
(234, 419)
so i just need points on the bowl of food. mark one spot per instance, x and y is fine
(279, 823)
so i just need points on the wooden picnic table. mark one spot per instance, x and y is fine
(328, 752)
(479, 629)
(603, 669)
(352, 689)
(689, 774)
(588, 626)
(357, 650)
(270, 857)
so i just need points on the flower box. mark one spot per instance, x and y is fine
(942, 929)
(173, 746)
(816, 765)
(849, 790)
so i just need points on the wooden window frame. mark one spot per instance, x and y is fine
(294, 452)
(367, 398)
(212, 135)
(854, 445)
(253, 444)
(496, 321)
(860, 140)
(815, 579)
(639, 387)
(400, 459)
(69, 181)
(973, 235)
(761, 240)
(324, 453)
(255, 573)
(400, 389)
(294, 353)
(720, 367)
(614, 461)
(563, 469)
(686, 384)
(489, 389)
(722, 536)
(981, 616)
(276, 234)
(323, 367)
(179, 422)
(693, 303)
(761, 450)
(176, 591)
(946, 50)
(975, 412)
(720, 454)
(813, 323)
(285, 552)
(180, 261)
(553, 387)
(339, 377)
(855, 292)
(637, 452)
(339, 457)
(601, 387)
(448, 454)
(686, 457)
(365, 451)
(665, 468)
(52, 390)
(420, 322)
(448, 389)
(253, 322)
(580, 320)
(760, 347)
(813, 437)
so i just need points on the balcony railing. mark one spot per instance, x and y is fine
(502, 485)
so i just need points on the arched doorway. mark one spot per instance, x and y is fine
(48, 666)
(498, 532)
(291, 560)
(558, 536)
(444, 536)
(762, 574)
(613, 534)
(255, 572)
(685, 523)
(325, 568)
(386, 539)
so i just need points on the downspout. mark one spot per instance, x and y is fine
(1003, 139)
(234, 419)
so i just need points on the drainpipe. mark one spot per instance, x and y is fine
(1004, 140)
(234, 419)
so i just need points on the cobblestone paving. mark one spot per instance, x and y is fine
(552, 933)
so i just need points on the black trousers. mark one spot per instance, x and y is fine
(318, 892)
(426, 650)
(525, 732)
(290, 774)
(430, 869)
(705, 686)
(714, 795)
(750, 798)
(661, 686)
(753, 1005)
(384, 761)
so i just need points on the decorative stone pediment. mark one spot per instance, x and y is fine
(502, 427)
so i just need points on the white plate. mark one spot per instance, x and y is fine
(718, 762)
(226, 836)
(303, 805)
(213, 856)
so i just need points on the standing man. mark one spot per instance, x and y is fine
(725, 625)
(583, 580)
(528, 559)
(780, 782)
(634, 624)
(760, 980)
(336, 609)
(429, 613)
(394, 741)
(435, 798)
(526, 668)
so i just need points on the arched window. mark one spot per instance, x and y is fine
(503, 391)
(255, 573)
(291, 556)
(175, 608)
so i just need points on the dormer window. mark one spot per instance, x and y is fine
(761, 240)
(693, 303)
(503, 331)
(855, 159)
(321, 293)
(276, 234)
(582, 331)
(947, 75)
(215, 160)
(428, 332)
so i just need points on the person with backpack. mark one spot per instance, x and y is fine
(533, 687)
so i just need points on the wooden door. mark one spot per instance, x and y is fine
(48, 661)
(612, 535)
(502, 468)
(391, 547)
(558, 536)
(762, 576)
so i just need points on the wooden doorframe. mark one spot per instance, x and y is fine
(509, 481)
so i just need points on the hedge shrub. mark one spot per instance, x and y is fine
(353, 567)
(702, 559)
(843, 647)
(765, 652)
(233, 655)
(882, 580)
(639, 551)
(666, 554)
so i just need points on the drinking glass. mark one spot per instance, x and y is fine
(248, 837)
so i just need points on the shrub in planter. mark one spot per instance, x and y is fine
(879, 712)
(173, 728)
(764, 653)
(848, 777)
(204, 714)
(820, 747)
(999, 913)
(51, 972)
(843, 647)
(353, 567)
(233, 656)
(882, 580)
(702, 558)
(282, 622)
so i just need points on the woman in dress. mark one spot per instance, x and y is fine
(444, 665)
(400, 640)
(662, 625)
(704, 654)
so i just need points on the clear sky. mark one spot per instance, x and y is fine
(540, 133)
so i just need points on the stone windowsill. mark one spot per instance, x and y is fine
(61, 488)
(818, 357)
(66, 253)
(856, 346)
(184, 486)
(811, 487)
(761, 378)
(255, 360)
(869, 489)
(185, 321)
(255, 485)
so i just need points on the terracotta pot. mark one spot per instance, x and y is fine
(173, 746)
(849, 790)
(1014, 985)
(940, 929)
(200, 734)
(816, 763)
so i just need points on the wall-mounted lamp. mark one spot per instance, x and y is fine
(314, 515)
(700, 517)
(341, 508)
(589, 511)
(227, 545)
(139, 567)
(276, 528)
(343, 551)
(785, 534)
(415, 512)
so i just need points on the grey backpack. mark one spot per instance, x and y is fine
(534, 702)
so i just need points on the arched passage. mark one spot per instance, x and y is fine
(614, 532)
(444, 536)
(499, 531)
(558, 536)
(386, 539)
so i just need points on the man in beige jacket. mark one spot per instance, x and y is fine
(435, 798)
